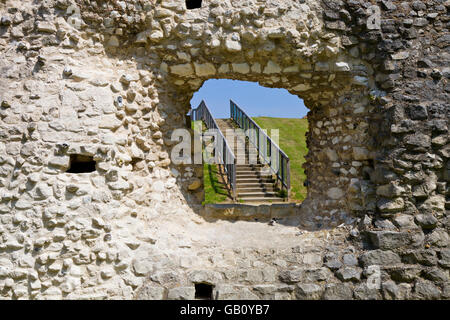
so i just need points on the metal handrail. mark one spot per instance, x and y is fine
(264, 144)
(225, 155)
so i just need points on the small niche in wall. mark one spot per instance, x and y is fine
(193, 4)
(203, 291)
(81, 164)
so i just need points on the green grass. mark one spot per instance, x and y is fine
(215, 190)
(293, 143)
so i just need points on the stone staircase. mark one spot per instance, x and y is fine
(254, 180)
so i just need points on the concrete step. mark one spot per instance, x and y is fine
(252, 175)
(261, 191)
(251, 172)
(252, 166)
(255, 185)
(262, 199)
(254, 180)
(257, 194)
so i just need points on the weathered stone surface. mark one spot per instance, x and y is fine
(195, 185)
(392, 291)
(380, 257)
(308, 291)
(388, 240)
(291, 276)
(405, 274)
(181, 293)
(424, 289)
(391, 205)
(182, 69)
(426, 257)
(349, 274)
(205, 69)
(339, 291)
(444, 260)
(363, 292)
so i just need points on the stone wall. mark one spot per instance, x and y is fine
(112, 83)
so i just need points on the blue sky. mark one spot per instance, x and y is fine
(250, 96)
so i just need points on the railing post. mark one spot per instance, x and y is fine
(288, 178)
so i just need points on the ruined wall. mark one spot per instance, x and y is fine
(113, 82)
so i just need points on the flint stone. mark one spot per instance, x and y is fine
(333, 264)
(46, 27)
(391, 291)
(230, 292)
(438, 238)
(350, 259)
(380, 257)
(308, 291)
(272, 67)
(363, 292)
(436, 275)
(338, 291)
(434, 204)
(445, 258)
(387, 240)
(151, 293)
(426, 290)
(205, 69)
(301, 87)
(182, 70)
(335, 193)
(342, 66)
(426, 257)
(360, 153)
(233, 46)
(418, 112)
(241, 68)
(60, 162)
(291, 276)
(390, 205)
(181, 293)
(405, 274)
(418, 140)
(317, 274)
(204, 276)
(426, 221)
(349, 274)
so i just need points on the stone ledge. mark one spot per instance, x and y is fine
(239, 211)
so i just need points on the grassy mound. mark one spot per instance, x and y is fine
(293, 143)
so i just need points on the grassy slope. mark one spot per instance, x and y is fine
(293, 143)
(215, 191)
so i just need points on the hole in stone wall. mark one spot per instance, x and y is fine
(203, 291)
(81, 164)
(272, 109)
(193, 4)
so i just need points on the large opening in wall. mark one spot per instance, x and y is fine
(272, 110)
